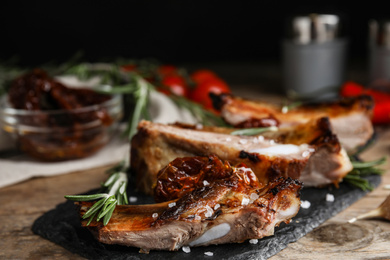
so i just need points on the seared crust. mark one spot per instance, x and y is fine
(156, 145)
(238, 207)
(350, 117)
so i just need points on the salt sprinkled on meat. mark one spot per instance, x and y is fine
(197, 217)
(206, 183)
(199, 126)
(254, 196)
(255, 140)
(243, 141)
(305, 154)
(261, 138)
(271, 141)
(254, 241)
(245, 201)
(305, 204)
(186, 249)
(172, 204)
(209, 253)
(228, 139)
(209, 212)
(329, 197)
(217, 206)
(284, 109)
(133, 199)
(155, 215)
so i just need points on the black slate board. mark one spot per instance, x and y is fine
(62, 226)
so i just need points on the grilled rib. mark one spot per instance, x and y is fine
(350, 117)
(229, 209)
(310, 151)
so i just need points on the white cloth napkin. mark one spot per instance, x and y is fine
(21, 167)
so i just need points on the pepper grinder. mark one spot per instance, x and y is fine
(314, 54)
(379, 53)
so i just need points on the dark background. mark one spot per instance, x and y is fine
(170, 31)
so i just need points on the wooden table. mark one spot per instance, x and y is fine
(23, 203)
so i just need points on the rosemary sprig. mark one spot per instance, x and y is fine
(361, 169)
(202, 115)
(254, 131)
(113, 192)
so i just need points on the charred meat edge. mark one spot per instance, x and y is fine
(176, 226)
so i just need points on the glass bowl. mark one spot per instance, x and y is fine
(58, 135)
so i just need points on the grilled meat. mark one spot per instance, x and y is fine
(229, 209)
(309, 151)
(350, 117)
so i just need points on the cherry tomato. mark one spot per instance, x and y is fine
(200, 93)
(202, 75)
(381, 111)
(174, 84)
(351, 89)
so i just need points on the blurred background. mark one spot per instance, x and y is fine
(178, 32)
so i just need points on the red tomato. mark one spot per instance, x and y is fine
(351, 89)
(200, 93)
(202, 75)
(174, 84)
(381, 111)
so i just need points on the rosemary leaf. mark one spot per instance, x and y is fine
(360, 165)
(358, 182)
(91, 218)
(125, 198)
(107, 208)
(122, 188)
(108, 215)
(94, 208)
(111, 180)
(142, 96)
(254, 131)
(361, 169)
(86, 197)
(125, 89)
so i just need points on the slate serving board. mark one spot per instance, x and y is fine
(62, 226)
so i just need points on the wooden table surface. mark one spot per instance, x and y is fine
(21, 204)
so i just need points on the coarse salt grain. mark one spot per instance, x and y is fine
(261, 138)
(172, 204)
(271, 141)
(243, 141)
(186, 249)
(305, 154)
(206, 183)
(245, 201)
(217, 206)
(155, 215)
(133, 199)
(254, 196)
(197, 217)
(329, 197)
(228, 139)
(254, 241)
(209, 253)
(284, 109)
(199, 126)
(305, 204)
(209, 212)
